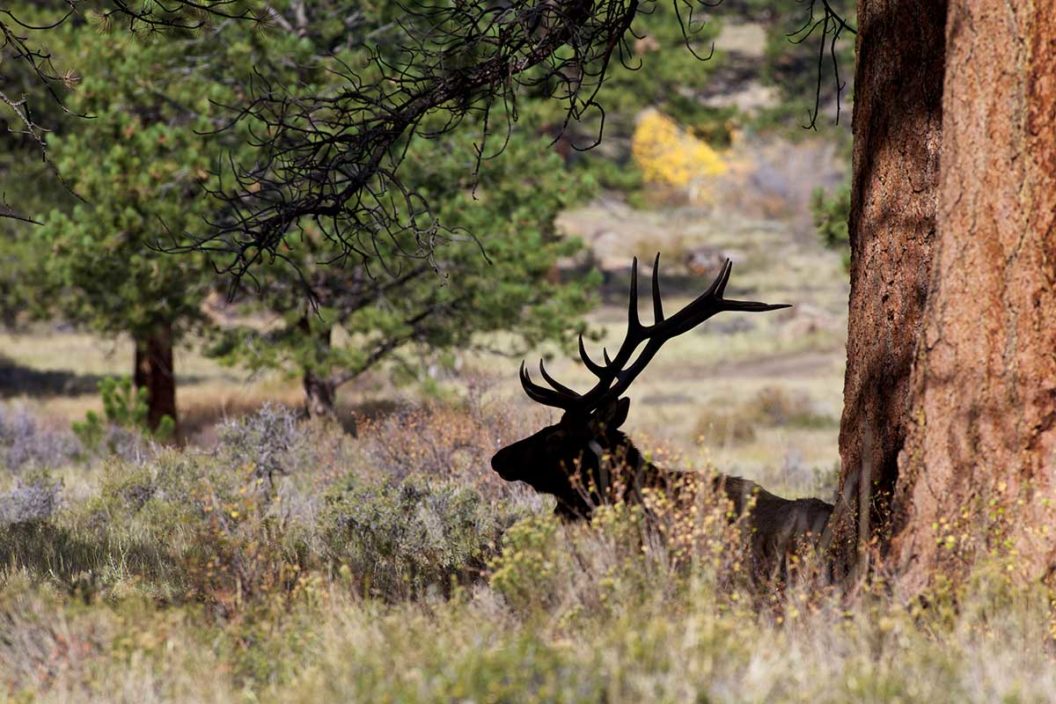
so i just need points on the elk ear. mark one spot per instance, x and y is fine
(556, 440)
(613, 414)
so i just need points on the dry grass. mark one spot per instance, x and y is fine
(55, 371)
(393, 567)
(382, 567)
(187, 578)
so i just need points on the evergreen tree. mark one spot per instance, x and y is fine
(500, 277)
(137, 164)
(142, 163)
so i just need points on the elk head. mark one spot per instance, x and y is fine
(575, 459)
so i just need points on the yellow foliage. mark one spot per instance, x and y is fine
(668, 154)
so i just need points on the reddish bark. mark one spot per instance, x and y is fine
(897, 126)
(155, 372)
(984, 379)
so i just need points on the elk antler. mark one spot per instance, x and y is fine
(614, 376)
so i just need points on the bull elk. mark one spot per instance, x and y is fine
(584, 460)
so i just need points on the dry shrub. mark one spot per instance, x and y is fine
(240, 549)
(675, 248)
(772, 406)
(27, 443)
(270, 440)
(40, 644)
(776, 179)
(399, 540)
(205, 410)
(28, 502)
(279, 441)
(659, 196)
(187, 527)
(722, 427)
(442, 441)
(657, 547)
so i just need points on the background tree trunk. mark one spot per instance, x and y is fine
(319, 395)
(897, 132)
(320, 391)
(983, 435)
(155, 372)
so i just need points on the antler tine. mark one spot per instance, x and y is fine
(595, 368)
(718, 286)
(723, 278)
(558, 386)
(617, 373)
(539, 394)
(658, 305)
(633, 323)
(702, 307)
(729, 304)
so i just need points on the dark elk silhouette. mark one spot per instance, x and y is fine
(585, 461)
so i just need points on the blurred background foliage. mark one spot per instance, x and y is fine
(140, 132)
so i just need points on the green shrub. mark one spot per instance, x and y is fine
(124, 408)
(612, 174)
(526, 571)
(832, 214)
(186, 527)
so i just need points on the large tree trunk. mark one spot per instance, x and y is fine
(948, 439)
(155, 372)
(897, 129)
(983, 432)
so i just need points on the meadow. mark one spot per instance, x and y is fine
(276, 559)
(294, 563)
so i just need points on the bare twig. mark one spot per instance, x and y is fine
(832, 26)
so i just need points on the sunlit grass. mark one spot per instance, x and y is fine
(384, 567)
(189, 576)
